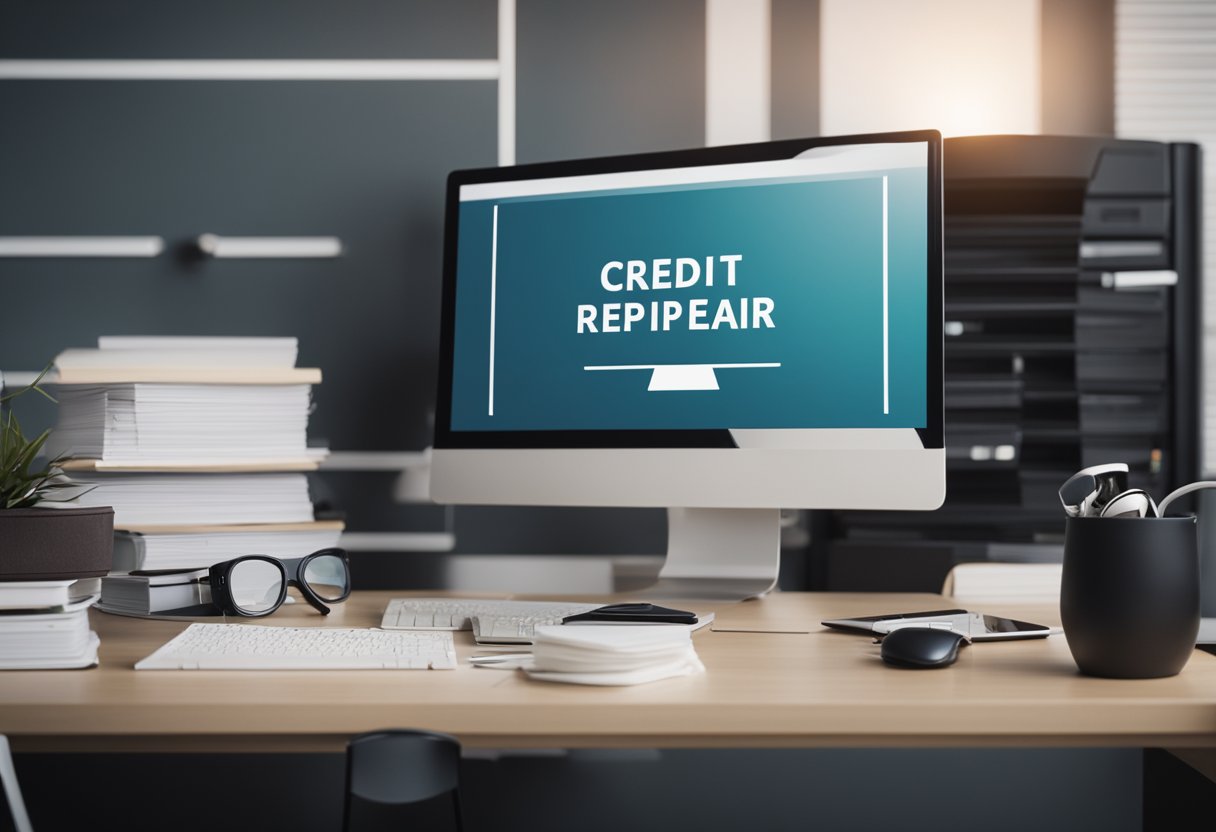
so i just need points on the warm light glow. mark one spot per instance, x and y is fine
(737, 91)
(963, 67)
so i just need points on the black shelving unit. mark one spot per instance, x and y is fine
(1072, 310)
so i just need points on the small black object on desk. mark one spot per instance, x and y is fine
(634, 613)
(922, 647)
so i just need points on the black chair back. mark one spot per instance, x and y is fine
(394, 774)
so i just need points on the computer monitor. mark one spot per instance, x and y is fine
(724, 332)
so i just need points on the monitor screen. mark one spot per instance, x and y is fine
(697, 303)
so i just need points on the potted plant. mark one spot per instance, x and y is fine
(40, 541)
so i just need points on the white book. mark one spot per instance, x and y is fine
(172, 356)
(151, 594)
(205, 350)
(184, 550)
(48, 640)
(67, 374)
(45, 595)
(141, 500)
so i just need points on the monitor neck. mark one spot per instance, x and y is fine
(720, 554)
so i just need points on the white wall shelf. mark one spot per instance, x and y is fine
(61, 246)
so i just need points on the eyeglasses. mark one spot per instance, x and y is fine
(256, 585)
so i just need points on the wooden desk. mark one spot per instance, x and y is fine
(824, 688)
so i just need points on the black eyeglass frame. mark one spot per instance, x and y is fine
(290, 569)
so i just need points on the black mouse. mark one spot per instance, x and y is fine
(922, 647)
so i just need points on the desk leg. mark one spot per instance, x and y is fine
(1179, 789)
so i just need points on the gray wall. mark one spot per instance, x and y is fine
(1078, 67)
(598, 79)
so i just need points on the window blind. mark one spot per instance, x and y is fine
(1165, 89)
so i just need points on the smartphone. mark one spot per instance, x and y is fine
(977, 626)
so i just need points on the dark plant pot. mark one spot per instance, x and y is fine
(1129, 596)
(47, 544)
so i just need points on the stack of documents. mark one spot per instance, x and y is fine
(612, 655)
(45, 624)
(182, 423)
(189, 499)
(151, 548)
(187, 401)
(199, 444)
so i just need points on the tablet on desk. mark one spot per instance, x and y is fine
(976, 625)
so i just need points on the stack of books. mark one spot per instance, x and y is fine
(165, 402)
(44, 625)
(199, 444)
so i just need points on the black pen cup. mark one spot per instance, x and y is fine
(1129, 597)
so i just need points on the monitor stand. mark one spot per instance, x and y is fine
(719, 554)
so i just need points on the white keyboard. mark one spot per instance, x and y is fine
(253, 647)
(490, 620)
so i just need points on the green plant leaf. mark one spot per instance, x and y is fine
(34, 385)
(21, 487)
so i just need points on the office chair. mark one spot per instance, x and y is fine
(12, 789)
(402, 779)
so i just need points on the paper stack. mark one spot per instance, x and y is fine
(612, 655)
(193, 499)
(199, 444)
(136, 401)
(141, 424)
(45, 624)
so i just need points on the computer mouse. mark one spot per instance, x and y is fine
(922, 647)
